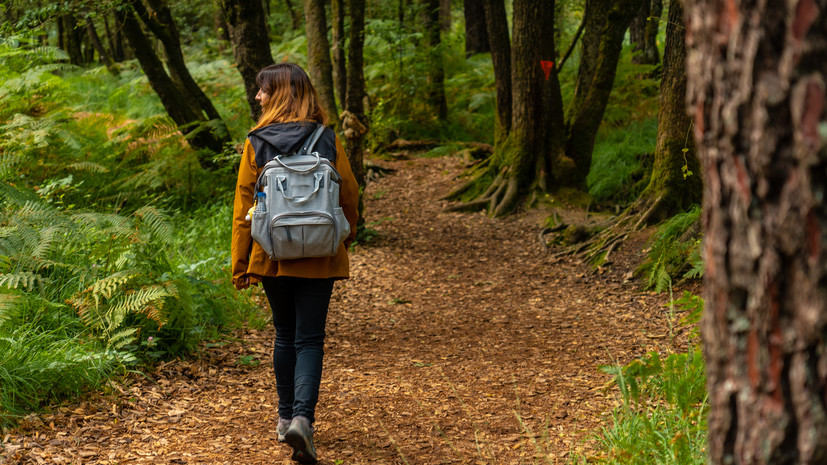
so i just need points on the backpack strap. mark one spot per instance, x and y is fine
(310, 143)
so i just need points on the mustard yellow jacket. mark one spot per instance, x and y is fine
(250, 262)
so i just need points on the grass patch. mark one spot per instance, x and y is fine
(621, 159)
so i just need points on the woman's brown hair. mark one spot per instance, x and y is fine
(291, 96)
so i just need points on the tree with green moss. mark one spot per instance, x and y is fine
(675, 184)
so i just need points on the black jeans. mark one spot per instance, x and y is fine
(299, 308)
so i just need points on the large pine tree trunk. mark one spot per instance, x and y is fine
(643, 33)
(476, 36)
(757, 73)
(606, 23)
(337, 10)
(320, 67)
(675, 184)
(496, 26)
(189, 119)
(436, 70)
(354, 121)
(251, 45)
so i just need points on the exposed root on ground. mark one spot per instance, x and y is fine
(598, 248)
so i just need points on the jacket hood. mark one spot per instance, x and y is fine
(280, 138)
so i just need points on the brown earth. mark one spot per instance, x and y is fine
(459, 339)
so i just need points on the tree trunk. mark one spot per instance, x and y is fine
(337, 10)
(756, 86)
(189, 119)
(115, 39)
(675, 183)
(606, 24)
(445, 16)
(476, 37)
(104, 56)
(294, 17)
(73, 40)
(354, 121)
(496, 25)
(320, 67)
(643, 33)
(159, 21)
(556, 166)
(436, 70)
(251, 45)
(222, 29)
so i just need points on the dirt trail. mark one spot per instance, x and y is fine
(453, 325)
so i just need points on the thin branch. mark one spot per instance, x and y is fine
(571, 46)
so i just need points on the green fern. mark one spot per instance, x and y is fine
(671, 252)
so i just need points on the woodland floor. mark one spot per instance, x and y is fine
(453, 327)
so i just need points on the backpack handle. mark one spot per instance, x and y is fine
(296, 170)
(317, 134)
(280, 183)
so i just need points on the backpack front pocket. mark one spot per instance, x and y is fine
(306, 234)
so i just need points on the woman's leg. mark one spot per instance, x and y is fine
(312, 298)
(280, 294)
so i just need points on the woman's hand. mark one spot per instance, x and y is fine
(242, 282)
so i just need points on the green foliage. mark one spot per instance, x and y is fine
(674, 247)
(662, 416)
(621, 161)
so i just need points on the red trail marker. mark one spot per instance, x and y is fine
(547, 65)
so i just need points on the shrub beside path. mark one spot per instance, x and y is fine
(458, 340)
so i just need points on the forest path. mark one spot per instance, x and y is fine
(452, 325)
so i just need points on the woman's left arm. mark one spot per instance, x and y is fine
(242, 240)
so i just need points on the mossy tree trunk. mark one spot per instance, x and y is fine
(643, 33)
(190, 120)
(354, 121)
(523, 160)
(606, 22)
(96, 43)
(675, 184)
(436, 69)
(319, 65)
(251, 44)
(337, 10)
(158, 19)
(756, 85)
(476, 36)
(496, 25)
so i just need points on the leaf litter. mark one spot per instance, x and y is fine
(457, 340)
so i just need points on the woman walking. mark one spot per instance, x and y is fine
(298, 290)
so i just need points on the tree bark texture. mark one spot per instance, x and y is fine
(190, 120)
(354, 121)
(476, 36)
(643, 33)
(556, 165)
(251, 44)
(445, 16)
(73, 39)
(671, 185)
(294, 17)
(436, 70)
(115, 37)
(337, 10)
(496, 26)
(606, 24)
(158, 19)
(319, 65)
(96, 42)
(756, 86)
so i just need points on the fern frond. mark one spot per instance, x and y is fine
(157, 223)
(88, 166)
(7, 303)
(23, 279)
(122, 338)
(148, 300)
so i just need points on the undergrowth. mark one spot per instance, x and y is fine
(113, 241)
(662, 405)
(674, 251)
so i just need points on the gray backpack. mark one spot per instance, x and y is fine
(297, 212)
